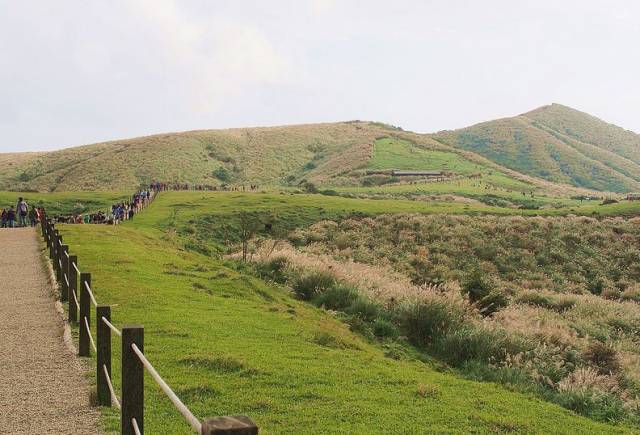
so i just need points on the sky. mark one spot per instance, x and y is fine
(75, 72)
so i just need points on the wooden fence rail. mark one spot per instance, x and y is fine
(75, 289)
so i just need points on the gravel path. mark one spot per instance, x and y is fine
(42, 388)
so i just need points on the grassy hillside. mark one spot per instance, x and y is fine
(229, 343)
(589, 130)
(558, 144)
(270, 155)
(327, 155)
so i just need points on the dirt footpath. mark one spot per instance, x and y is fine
(42, 387)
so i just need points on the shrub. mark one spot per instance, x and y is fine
(612, 294)
(492, 303)
(384, 329)
(273, 269)
(480, 344)
(222, 174)
(603, 357)
(596, 285)
(310, 285)
(424, 321)
(364, 309)
(476, 285)
(631, 294)
(337, 298)
(593, 404)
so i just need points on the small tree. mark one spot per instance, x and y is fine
(248, 225)
(222, 174)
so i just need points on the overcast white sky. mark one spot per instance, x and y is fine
(83, 71)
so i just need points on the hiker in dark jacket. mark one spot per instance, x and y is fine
(11, 217)
(33, 216)
(4, 218)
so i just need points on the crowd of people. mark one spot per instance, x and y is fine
(162, 187)
(22, 215)
(117, 213)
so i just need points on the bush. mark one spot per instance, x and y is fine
(476, 285)
(364, 309)
(384, 329)
(273, 269)
(339, 297)
(308, 286)
(473, 343)
(427, 320)
(631, 294)
(593, 404)
(222, 174)
(492, 303)
(603, 357)
(612, 294)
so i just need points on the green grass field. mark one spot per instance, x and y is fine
(393, 153)
(229, 343)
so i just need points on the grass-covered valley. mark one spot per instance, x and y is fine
(312, 341)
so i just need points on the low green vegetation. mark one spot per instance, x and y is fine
(230, 343)
(549, 305)
(393, 153)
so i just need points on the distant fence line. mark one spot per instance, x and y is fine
(134, 361)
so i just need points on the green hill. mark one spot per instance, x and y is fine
(550, 148)
(326, 154)
(558, 144)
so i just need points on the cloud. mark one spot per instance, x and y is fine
(220, 58)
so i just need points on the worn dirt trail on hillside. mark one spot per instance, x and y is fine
(42, 388)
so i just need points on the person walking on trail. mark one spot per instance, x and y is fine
(4, 218)
(33, 216)
(23, 210)
(11, 217)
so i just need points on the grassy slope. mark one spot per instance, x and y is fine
(253, 155)
(325, 154)
(230, 344)
(558, 144)
(401, 154)
(589, 129)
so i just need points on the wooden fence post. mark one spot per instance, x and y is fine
(64, 287)
(238, 425)
(56, 236)
(73, 289)
(50, 240)
(85, 311)
(103, 355)
(57, 239)
(132, 380)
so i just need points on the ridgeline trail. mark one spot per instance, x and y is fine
(42, 387)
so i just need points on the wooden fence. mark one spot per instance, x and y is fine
(75, 289)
